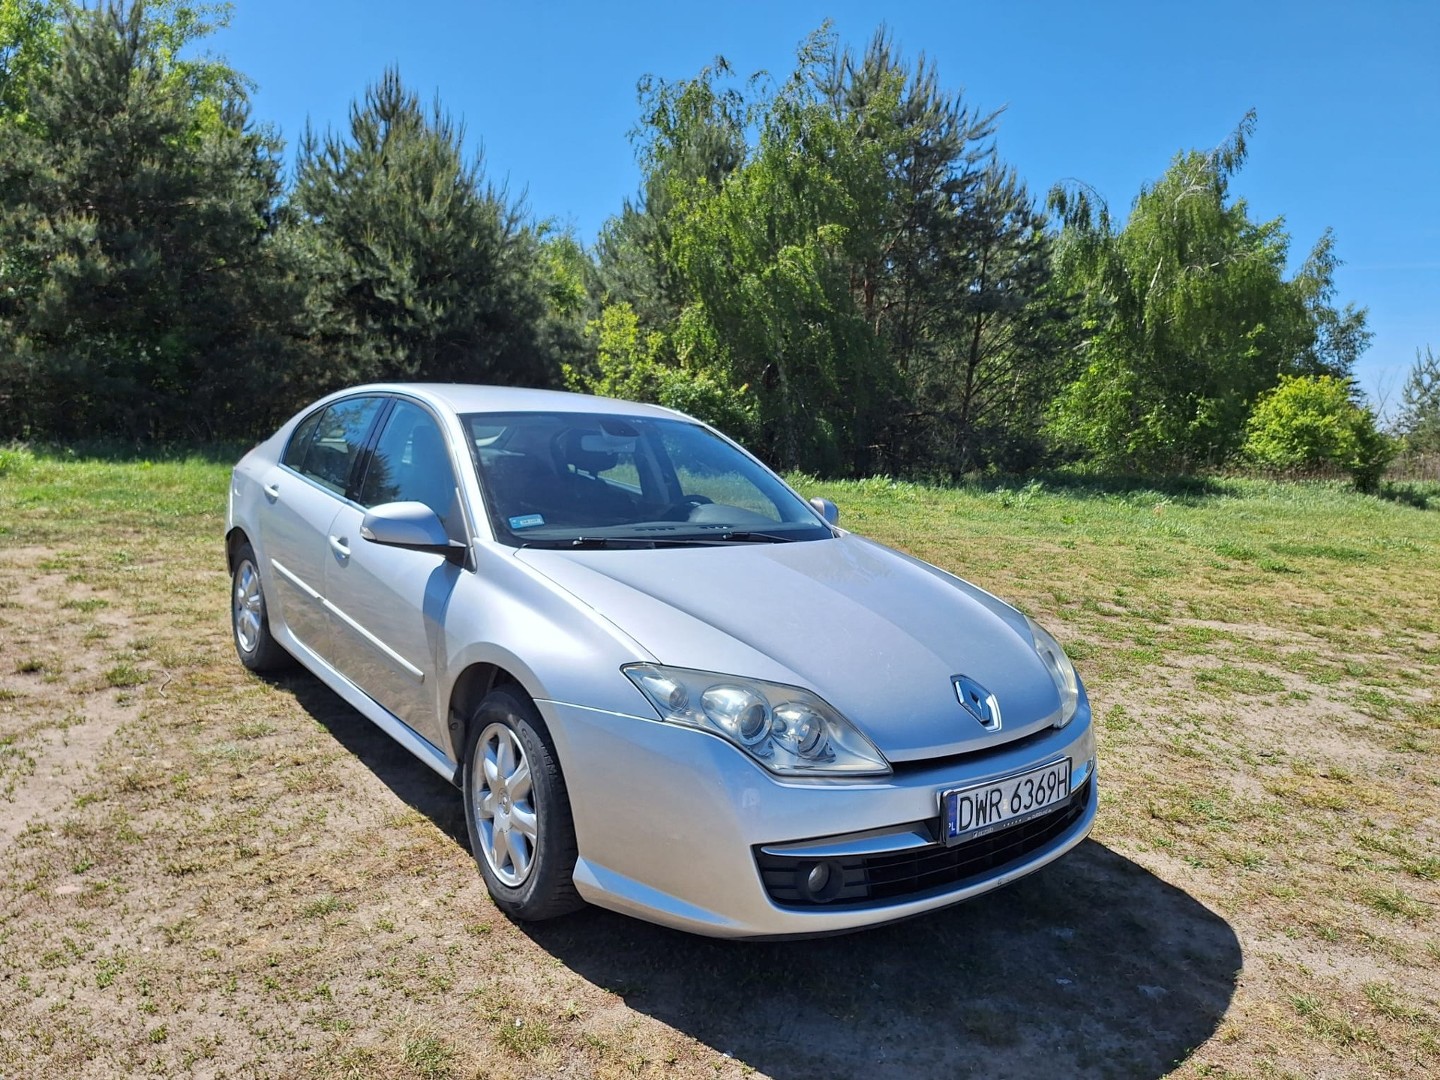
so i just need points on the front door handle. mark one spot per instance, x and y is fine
(341, 546)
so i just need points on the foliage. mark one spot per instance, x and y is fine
(1190, 317)
(628, 364)
(833, 265)
(419, 269)
(691, 135)
(1000, 337)
(29, 41)
(137, 294)
(566, 277)
(1309, 422)
(844, 244)
(30, 33)
(957, 279)
(766, 261)
(1340, 336)
(1419, 420)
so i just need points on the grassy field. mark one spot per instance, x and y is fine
(206, 873)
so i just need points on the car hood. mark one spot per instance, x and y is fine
(878, 635)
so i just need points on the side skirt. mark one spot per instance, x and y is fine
(373, 711)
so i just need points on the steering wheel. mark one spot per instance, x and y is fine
(681, 508)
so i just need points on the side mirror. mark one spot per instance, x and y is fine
(413, 526)
(826, 509)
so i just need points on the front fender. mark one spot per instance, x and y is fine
(556, 647)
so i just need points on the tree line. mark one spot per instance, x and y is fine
(834, 265)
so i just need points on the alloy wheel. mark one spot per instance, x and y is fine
(248, 607)
(505, 815)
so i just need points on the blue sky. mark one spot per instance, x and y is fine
(1348, 97)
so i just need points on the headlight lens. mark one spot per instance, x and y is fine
(1061, 670)
(788, 730)
(744, 714)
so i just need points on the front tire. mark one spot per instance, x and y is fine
(517, 810)
(249, 619)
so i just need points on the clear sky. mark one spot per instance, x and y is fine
(1348, 97)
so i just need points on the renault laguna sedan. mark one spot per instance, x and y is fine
(663, 682)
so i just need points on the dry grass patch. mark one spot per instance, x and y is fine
(204, 873)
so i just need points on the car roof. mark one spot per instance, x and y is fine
(471, 398)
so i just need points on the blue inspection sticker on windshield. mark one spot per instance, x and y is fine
(527, 521)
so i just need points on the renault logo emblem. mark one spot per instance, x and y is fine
(978, 702)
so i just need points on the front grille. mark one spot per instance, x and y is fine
(866, 879)
(972, 757)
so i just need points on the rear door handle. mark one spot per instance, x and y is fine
(341, 546)
(272, 491)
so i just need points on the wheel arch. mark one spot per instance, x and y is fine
(468, 691)
(234, 540)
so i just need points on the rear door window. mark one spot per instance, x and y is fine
(301, 439)
(326, 446)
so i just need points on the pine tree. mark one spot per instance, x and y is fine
(1419, 420)
(136, 287)
(421, 270)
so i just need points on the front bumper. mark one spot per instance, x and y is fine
(674, 825)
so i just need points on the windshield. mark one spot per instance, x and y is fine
(575, 479)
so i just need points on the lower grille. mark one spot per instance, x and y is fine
(865, 879)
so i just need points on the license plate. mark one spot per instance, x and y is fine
(969, 813)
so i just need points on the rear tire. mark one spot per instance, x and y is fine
(249, 619)
(517, 810)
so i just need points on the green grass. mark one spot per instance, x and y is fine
(430, 1056)
(124, 674)
(233, 883)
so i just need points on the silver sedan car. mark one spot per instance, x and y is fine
(664, 682)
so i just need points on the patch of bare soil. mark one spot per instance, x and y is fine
(57, 707)
(236, 877)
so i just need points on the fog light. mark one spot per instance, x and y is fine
(819, 876)
(822, 881)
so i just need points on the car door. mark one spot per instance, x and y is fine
(304, 492)
(389, 603)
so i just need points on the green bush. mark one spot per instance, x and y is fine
(1309, 423)
(632, 364)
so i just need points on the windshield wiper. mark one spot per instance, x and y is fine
(739, 536)
(589, 543)
(746, 536)
(596, 543)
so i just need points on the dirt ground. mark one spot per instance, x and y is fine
(210, 874)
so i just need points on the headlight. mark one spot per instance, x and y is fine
(788, 730)
(1061, 670)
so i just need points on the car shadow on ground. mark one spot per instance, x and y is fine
(1092, 967)
(413, 783)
